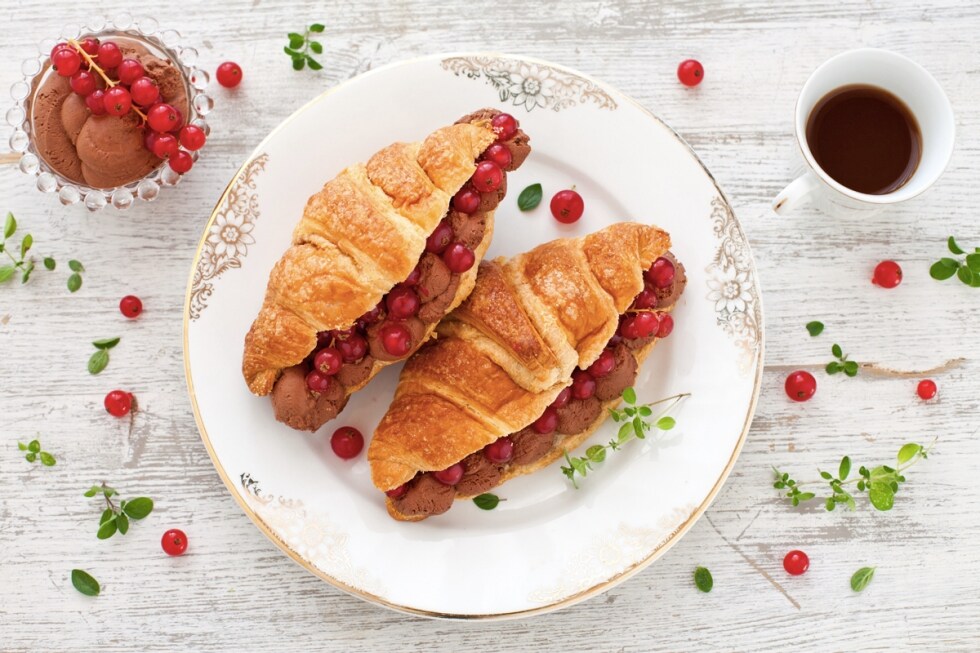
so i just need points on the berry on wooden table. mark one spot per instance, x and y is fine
(567, 206)
(796, 562)
(118, 403)
(130, 306)
(926, 389)
(800, 385)
(347, 442)
(690, 72)
(888, 274)
(174, 542)
(229, 74)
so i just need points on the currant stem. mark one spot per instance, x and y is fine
(94, 66)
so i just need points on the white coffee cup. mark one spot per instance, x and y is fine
(905, 79)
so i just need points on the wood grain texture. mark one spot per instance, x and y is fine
(235, 591)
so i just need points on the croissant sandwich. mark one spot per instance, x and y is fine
(382, 252)
(526, 368)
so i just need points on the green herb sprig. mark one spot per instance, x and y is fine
(24, 264)
(116, 518)
(881, 483)
(850, 368)
(100, 358)
(34, 453)
(300, 46)
(967, 270)
(635, 425)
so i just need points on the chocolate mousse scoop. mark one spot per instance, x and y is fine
(301, 409)
(479, 476)
(426, 496)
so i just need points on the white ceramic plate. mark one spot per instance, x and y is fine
(548, 545)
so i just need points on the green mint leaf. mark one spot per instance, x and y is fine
(836, 351)
(863, 576)
(296, 40)
(122, 522)
(31, 457)
(84, 582)
(298, 63)
(908, 452)
(22, 446)
(703, 580)
(941, 270)
(629, 395)
(139, 508)
(965, 275)
(814, 328)
(9, 226)
(596, 453)
(107, 529)
(316, 46)
(98, 361)
(851, 368)
(47, 459)
(953, 247)
(882, 496)
(316, 27)
(34, 446)
(49, 263)
(75, 266)
(6, 272)
(833, 367)
(530, 197)
(106, 343)
(845, 468)
(26, 244)
(92, 491)
(666, 423)
(313, 63)
(973, 262)
(486, 501)
(27, 272)
(74, 282)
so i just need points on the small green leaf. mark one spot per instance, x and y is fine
(298, 63)
(851, 368)
(31, 456)
(826, 475)
(703, 579)
(815, 328)
(845, 468)
(943, 269)
(74, 282)
(965, 275)
(296, 40)
(107, 529)
(122, 522)
(109, 492)
(863, 576)
(629, 395)
(292, 53)
(882, 496)
(530, 197)
(27, 272)
(22, 446)
(833, 367)
(805, 496)
(34, 446)
(313, 63)
(84, 582)
(829, 504)
(49, 263)
(139, 508)
(973, 262)
(92, 491)
(9, 226)
(316, 47)
(26, 244)
(106, 343)
(596, 453)
(75, 266)
(953, 247)
(836, 351)
(486, 501)
(98, 361)
(316, 27)
(638, 427)
(861, 486)
(908, 452)
(47, 459)
(6, 272)
(666, 423)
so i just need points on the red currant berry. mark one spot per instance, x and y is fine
(499, 154)
(347, 442)
(109, 55)
(487, 177)
(796, 562)
(192, 137)
(396, 339)
(374, 315)
(342, 334)
(583, 385)
(402, 302)
(926, 389)
(500, 450)
(450, 475)
(800, 385)
(467, 200)
(163, 118)
(174, 542)
(328, 361)
(90, 45)
(562, 399)
(661, 273)
(317, 382)
(181, 161)
(646, 299)
(164, 146)
(603, 365)
(83, 83)
(690, 72)
(639, 325)
(130, 306)
(117, 101)
(57, 47)
(505, 125)
(567, 206)
(352, 348)
(666, 325)
(129, 70)
(118, 403)
(413, 277)
(439, 239)
(398, 492)
(229, 74)
(66, 61)
(888, 274)
(459, 258)
(548, 421)
(144, 91)
(95, 101)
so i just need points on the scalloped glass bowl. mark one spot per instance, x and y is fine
(162, 42)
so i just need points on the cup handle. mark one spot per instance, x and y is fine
(796, 194)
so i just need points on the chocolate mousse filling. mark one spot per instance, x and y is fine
(574, 416)
(432, 284)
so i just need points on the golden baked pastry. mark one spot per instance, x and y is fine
(521, 351)
(380, 255)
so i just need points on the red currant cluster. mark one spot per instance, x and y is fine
(640, 321)
(489, 174)
(114, 85)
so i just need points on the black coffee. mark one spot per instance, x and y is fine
(865, 138)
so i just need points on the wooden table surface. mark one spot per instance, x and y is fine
(234, 590)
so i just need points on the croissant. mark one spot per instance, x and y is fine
(382, 252)
(526, 367)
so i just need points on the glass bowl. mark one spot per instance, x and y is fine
(165, 43)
